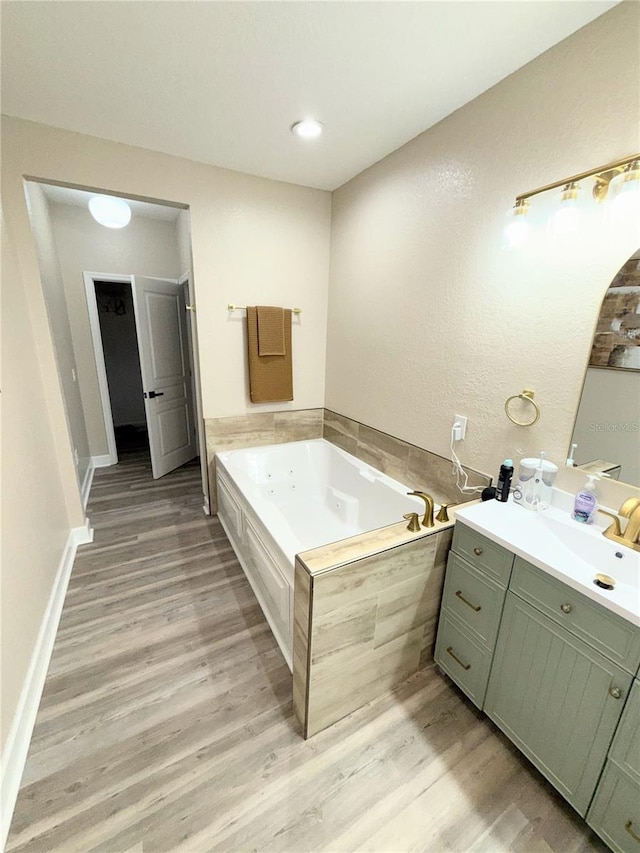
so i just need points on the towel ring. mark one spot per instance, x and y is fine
(528, 396)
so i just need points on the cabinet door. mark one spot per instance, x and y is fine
(615, 811)
(556, 698)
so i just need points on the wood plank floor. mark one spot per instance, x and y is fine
(166, 722)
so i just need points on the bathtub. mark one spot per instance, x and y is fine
(279, 500)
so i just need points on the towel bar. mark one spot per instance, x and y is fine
(232, 307)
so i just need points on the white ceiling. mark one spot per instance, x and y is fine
(80, 198)
(221, 82)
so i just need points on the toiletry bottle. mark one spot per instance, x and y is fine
(504, 481)
(585, 504)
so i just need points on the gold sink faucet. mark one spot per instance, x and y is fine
(427, 521)
(631, 537)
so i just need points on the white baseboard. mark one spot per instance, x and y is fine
(102, 461)
(86, 483)
(16, 747)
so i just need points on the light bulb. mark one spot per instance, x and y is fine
(517, 228)
(624, 192)
(566, 220)
(309, 128)
(110, 211)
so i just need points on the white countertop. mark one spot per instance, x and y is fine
(566, 549)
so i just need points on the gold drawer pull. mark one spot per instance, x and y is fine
(628, 826)
(468, 603)
(477, 551)
(465, 666)
(615, 692)
(566, 608)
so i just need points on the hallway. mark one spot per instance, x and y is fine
(166, 721)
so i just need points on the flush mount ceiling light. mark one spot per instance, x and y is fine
(110, 211)
(309, 128)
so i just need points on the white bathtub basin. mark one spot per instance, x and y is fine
(279, 500)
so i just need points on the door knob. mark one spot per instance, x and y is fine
(566, 608)
(153, 394)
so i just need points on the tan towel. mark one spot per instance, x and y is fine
(270, 330)
(270, 376)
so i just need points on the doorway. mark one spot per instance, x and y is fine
(116, 317)
(144, 361)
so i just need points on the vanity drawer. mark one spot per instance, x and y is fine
(491, 558)
(475, 600)
(615, 810)
(464, 661)
(602, 629)
(625, 750)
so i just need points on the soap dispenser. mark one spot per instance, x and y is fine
(585, 504)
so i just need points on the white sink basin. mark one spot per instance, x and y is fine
(570, 551)
(591, 547)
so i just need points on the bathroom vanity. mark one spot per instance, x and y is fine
(552, 659)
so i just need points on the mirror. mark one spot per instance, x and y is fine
(607, 428)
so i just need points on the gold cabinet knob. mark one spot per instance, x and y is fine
(566, 608)
(477, 551)
(615, 692)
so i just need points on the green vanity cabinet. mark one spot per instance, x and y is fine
(615, 810)
(558, 699)
(555, 670)
(475, 586)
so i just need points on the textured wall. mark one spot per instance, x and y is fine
(429, 313)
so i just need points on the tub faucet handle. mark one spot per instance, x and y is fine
(443, 515)
(414, 523)
(427, 521)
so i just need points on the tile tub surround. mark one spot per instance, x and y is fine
(257, 429)
(405, 462)
(365, 615)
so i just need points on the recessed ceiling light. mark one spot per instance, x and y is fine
(110, 211)
(309, 128)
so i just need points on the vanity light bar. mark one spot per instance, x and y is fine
(602, 174)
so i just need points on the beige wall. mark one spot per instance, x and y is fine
(253, 241)
(145, 247)
(58, 315)
(429, 314)
(35, 515)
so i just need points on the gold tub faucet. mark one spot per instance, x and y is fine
(427, 521)
(631, 537)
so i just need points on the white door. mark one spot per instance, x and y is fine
(164, 361)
